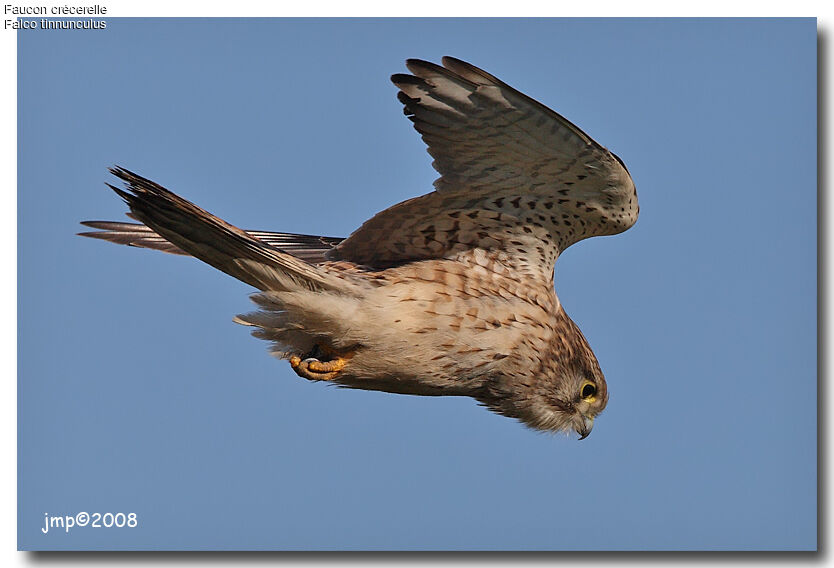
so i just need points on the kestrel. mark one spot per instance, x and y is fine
(449, 293)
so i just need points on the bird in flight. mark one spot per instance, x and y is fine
(449, 293)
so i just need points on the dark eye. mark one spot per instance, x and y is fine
(589, 390)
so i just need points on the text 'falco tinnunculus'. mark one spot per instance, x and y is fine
(449, 293)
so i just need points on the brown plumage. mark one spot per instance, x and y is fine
(450, 293)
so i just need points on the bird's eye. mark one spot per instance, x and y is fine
(589, 390)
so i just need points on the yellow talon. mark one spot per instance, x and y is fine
(314, 369)
(334, 365)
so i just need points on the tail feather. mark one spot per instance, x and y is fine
(130, 234)
(309, 248)
(214, 241)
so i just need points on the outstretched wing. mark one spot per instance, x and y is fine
(310, 248)
(517, 178)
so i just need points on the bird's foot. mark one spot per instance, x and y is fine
(322, 364)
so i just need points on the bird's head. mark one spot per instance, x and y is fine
(565, 393)
(577, 394)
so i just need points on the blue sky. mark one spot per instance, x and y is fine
(137, 393)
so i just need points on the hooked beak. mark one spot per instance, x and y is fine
(583, 425)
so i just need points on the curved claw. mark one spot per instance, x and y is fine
(316, 370)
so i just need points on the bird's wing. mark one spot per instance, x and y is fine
(214, 241)
(516, 176)
(309, 248)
